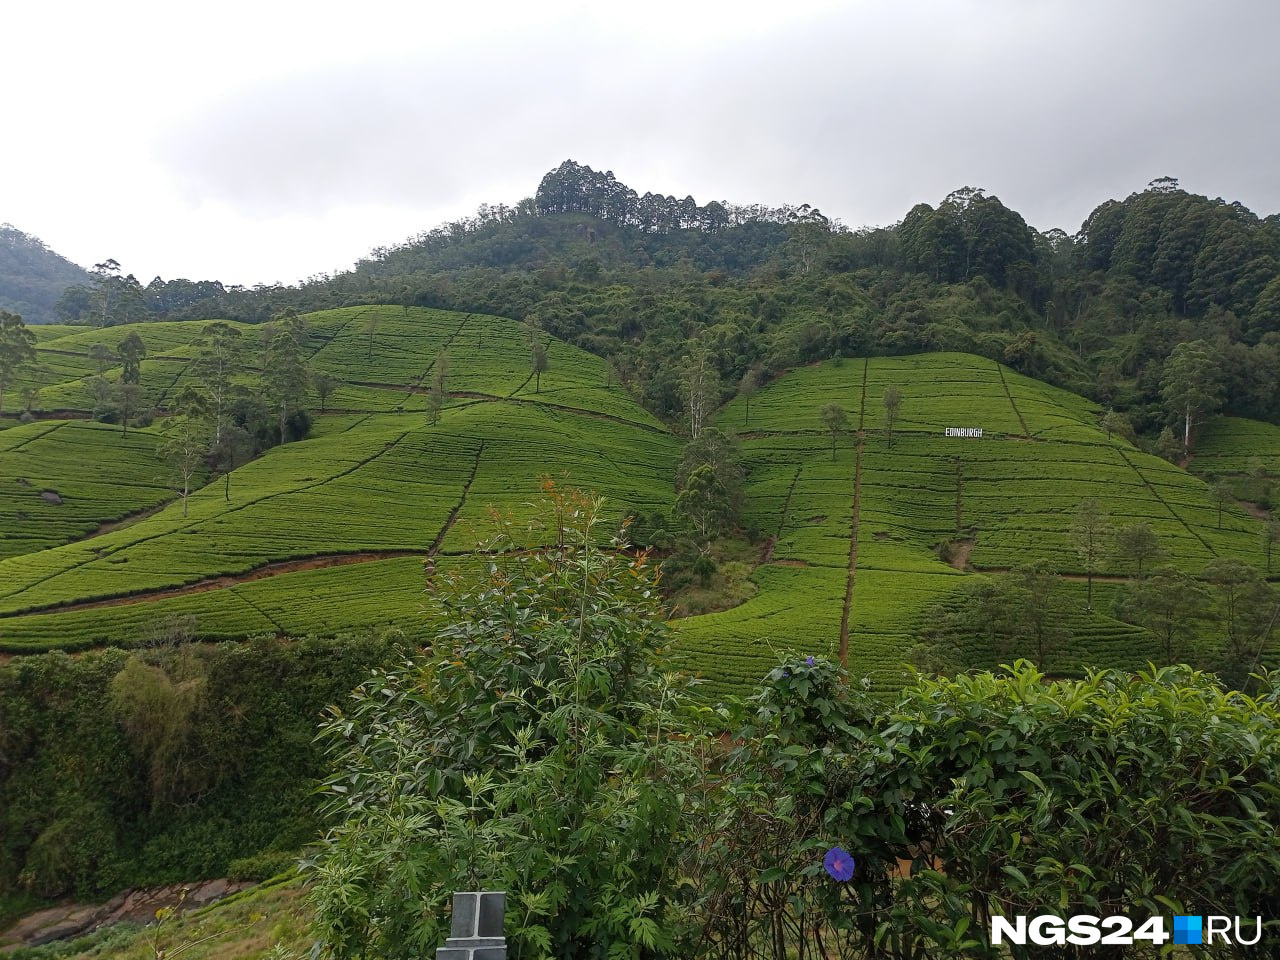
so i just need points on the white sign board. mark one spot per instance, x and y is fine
(964, 431)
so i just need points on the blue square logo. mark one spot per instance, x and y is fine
(1187, 930)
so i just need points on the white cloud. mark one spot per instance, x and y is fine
(264, 142)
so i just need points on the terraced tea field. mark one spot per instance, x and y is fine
(328, 535)
(322, 535)
(61, 480)
(862, 530)
(1233, 445)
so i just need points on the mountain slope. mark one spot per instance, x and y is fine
(33, 277)
(855, 539)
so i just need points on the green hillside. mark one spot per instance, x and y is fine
(328, 534)
(863, 544)
(868, 524)
(33, 277)
(316, 536)
(47, 497)
(1233, 445)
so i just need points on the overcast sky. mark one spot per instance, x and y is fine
(267, 142)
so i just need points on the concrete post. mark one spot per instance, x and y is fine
(475, 932)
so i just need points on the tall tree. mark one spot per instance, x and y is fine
(1247, 612)
(102, 356)
(836, 420)
(219, 357)
(1117, 423)
(324, 385)
(540, 363)
(1169, 603)
(103, 391)
(747, 388)
(286, 378)
(440, 371)
(718, 453)
(1191, 384)
(128, 396)
(1019, 614)
(233, 448)
(701, 383)
(131, 350)
(958, 464)
(1222, 495)
(892, 404)
(1091, 534)
(187, 437)
(1270, 537)
(105, 277)
(1138, 543)
(436, 394)
(703, 503)
(808, 231)
(435, 403)
(17, 349)
(1037, 612)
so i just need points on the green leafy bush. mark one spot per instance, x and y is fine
(111, 776)
(537, 748)
(261, 866)
(1117, 794)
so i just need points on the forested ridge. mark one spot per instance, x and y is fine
(639, 278)
(33, 277)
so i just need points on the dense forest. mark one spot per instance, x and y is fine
(643, 279)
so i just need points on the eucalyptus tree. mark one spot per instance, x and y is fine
(187, 439)
(102, 356)
(540, 363)
(1171, 604)
(17, 349)
(1139, 543)
(747, 388)
(1191, 384)
(131, 350)
(219, 358)
(1090, 534)
(892, 404)
(285, 376)
(836, 420)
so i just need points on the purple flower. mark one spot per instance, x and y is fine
(839, 863)
(809, 661)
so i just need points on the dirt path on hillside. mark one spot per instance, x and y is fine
(457, 507)
(128, 520)
(960, 553)
(270, 569)
(853, 529)
(766, 555)
(226, 580)
(524, 401)
(1016, 412)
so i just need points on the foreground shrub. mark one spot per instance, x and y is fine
(537, 748)
(1151, 794)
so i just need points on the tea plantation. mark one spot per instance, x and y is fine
(869, 524)
(327, 535)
